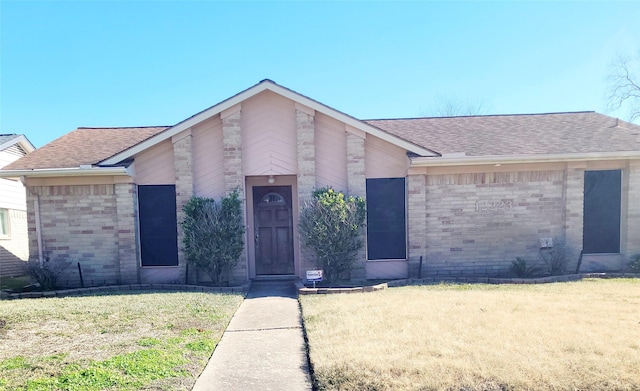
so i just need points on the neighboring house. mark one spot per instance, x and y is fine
(467, 194)
(14, 245)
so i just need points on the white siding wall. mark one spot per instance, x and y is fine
(12, 195)
(15, 249)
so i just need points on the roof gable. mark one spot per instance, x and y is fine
(265, 85)
(19, 141)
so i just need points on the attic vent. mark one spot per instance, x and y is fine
(16, 150)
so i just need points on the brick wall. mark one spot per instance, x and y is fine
(632, 246)
(126, 214)
(476, 224)
(306, 155)
(357, 182)
(183, 167)
(417, 221)
(574, 213)
(80, 223)
(234, 175)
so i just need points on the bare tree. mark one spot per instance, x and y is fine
(624, 85)
(451, 106)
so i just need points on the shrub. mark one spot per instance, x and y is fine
(330, 228)
(46, 273)
(213, 234)
(634, 265)
(555, 258)
(520, 268)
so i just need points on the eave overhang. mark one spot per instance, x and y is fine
(65, 172)
(444, 161)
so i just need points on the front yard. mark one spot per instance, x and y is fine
(565, 336)
(130, 341)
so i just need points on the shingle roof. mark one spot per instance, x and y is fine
(525, 134)
(490, 135)
(84, 146)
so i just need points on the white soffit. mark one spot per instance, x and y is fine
(22, 140)
(519, 159)
(252, 91)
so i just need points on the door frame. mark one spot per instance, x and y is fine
(280, 180)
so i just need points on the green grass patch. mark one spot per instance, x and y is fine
(111, 342)
(17, 362)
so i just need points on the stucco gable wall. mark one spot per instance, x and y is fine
(208, 158)
(269, 135)
(384, 160)
(155, 165)
(331, 152)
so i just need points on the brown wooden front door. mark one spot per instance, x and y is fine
(273, 230)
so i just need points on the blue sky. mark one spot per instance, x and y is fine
(117, 63)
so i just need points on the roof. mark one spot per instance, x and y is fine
(524, 134)
(84, 146)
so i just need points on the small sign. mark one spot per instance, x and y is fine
(314, 275)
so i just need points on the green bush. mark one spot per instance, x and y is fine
(330, 228)
(520, 268)
(213, 234)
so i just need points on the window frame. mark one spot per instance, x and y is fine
(405, 234)
(143, 237)
(588, 221)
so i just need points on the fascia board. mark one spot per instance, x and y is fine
(250, 92)
(519, 159)
(186, 124)
(64, 172)
(349, 120)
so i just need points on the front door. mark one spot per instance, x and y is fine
(273, 230)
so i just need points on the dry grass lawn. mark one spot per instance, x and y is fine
(129, 341)
(566, 336)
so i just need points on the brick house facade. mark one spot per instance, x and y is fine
(466, 194)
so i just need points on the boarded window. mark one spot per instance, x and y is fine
(602, 195)
(386, 219)
(158, 225)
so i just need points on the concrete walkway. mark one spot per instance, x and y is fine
(263, 347)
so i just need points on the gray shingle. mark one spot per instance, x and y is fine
(84, 146)
(526, 134)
